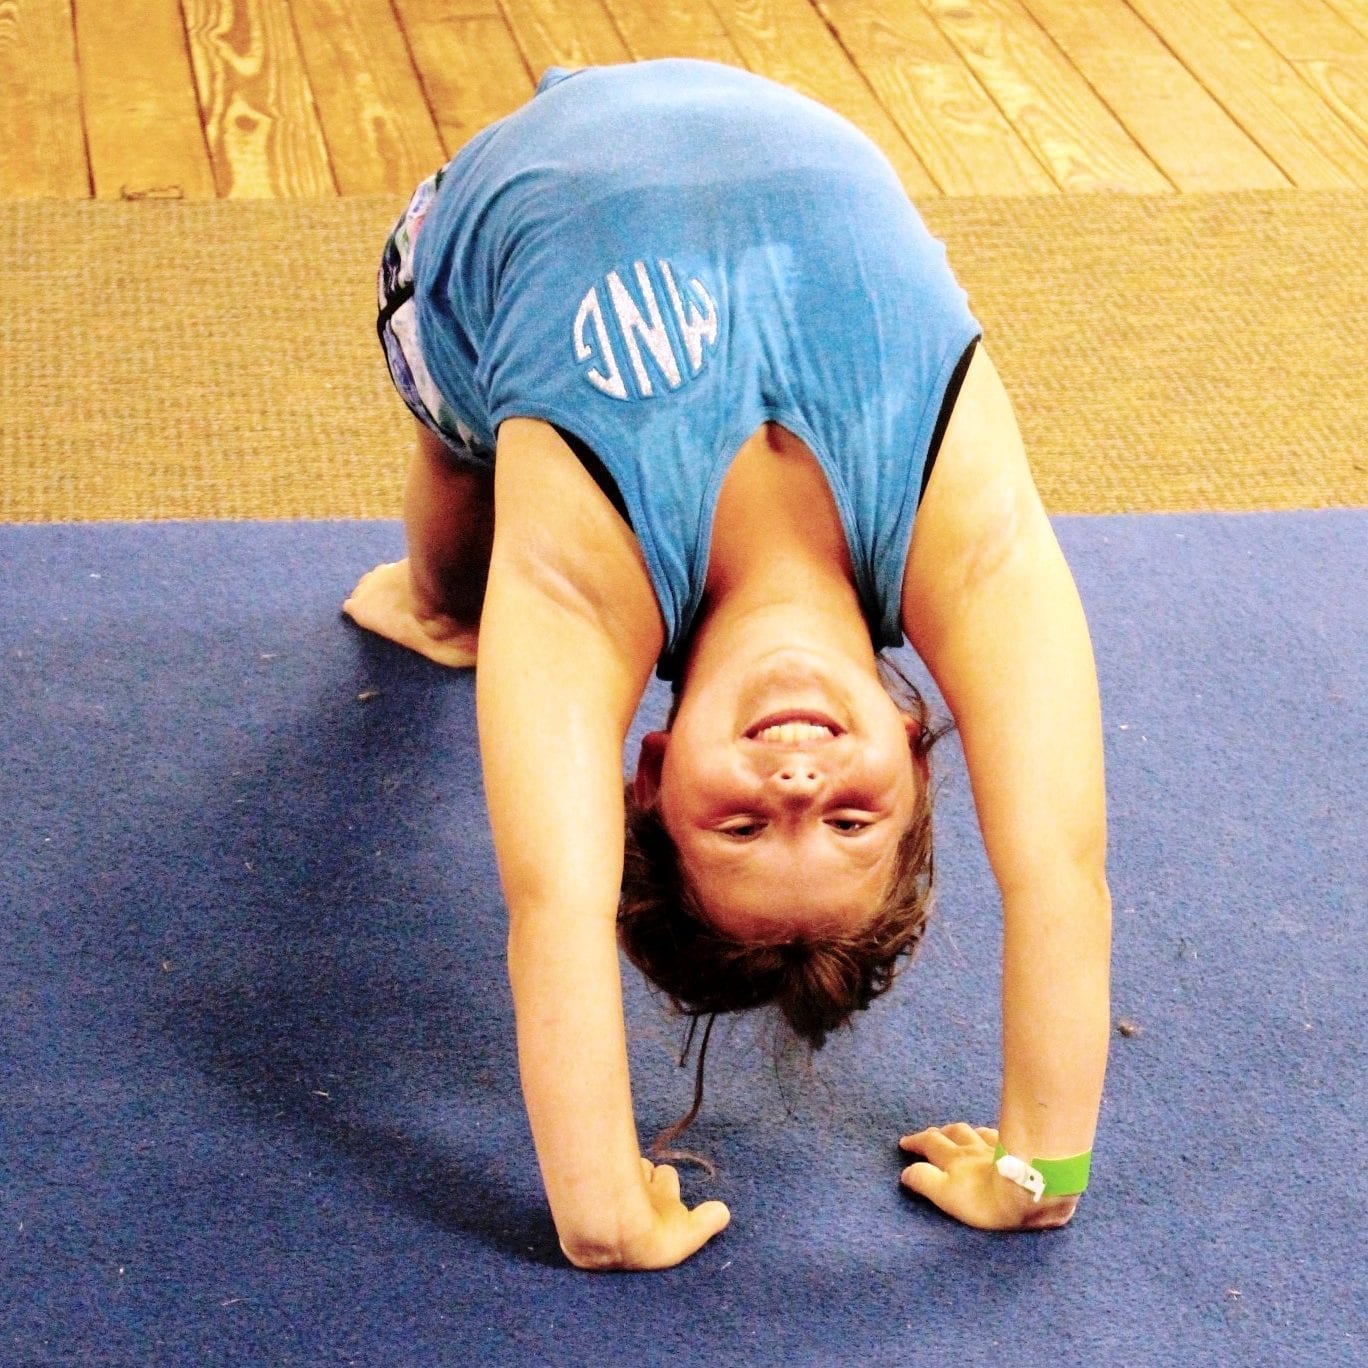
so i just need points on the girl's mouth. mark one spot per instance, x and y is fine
(794, 728)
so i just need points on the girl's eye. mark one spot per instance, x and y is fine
(742, 831)
(847, 825)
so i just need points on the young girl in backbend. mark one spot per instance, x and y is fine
(698, 394)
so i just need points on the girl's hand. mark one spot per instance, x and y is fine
(384, 602)
(672, 1235)
(962, 1181)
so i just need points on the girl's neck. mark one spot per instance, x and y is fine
(779, 563)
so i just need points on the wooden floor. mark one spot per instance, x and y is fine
(286, 98)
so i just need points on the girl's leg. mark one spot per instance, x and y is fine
(449, 520)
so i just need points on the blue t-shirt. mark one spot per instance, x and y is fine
(661, 257)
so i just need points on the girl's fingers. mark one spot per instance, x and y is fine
(709, 1219)
(689, 1236)
(957, 1133)
(961, 1132)
(926, 1180)
(663, 1179)
(936, 1146)
(666, 1179)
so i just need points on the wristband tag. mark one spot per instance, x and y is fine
(1045, 1177)
(1018, 1171)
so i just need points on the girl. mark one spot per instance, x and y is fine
(697, 393)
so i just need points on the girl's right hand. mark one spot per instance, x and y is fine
(384, 602)
(673, 1234)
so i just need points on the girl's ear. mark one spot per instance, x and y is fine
(917, 741)
(649, 765)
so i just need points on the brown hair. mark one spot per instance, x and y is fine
(816, 983)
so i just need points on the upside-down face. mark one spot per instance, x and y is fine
(786, 785)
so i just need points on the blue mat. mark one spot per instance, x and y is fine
(258, 1100)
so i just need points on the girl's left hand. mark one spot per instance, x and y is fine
(961, 1180)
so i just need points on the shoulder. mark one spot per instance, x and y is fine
(557, 532)
(981, 507)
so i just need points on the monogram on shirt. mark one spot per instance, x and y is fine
(658, 359)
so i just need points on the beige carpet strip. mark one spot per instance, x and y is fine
(218, 360)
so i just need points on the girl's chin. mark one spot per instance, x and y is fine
(794, 684)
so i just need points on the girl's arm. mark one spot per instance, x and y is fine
(991, 607)
(569, 636)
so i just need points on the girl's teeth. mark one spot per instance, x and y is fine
(794, 733)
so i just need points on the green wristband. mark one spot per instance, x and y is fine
(1046, 1177)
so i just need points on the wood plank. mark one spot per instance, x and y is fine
(1327, 51)
(1050, 105)
(1343, 86)
(787, 41)
(1308, 30)
(379, 131)
(258, 112)
(1261, 91)
(937, 103)
(142, 119)
(1353, 12)
(40, 101)
(1196, 144)
(451, 10)
(672, 28)
(471, 69)
(569, 33)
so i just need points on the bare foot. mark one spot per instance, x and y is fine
(383, 602)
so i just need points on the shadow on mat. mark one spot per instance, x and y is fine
(348, 978)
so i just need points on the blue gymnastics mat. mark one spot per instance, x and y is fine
(258, 1100)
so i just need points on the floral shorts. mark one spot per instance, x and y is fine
(397, 325)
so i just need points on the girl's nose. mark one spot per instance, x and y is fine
(797, 781)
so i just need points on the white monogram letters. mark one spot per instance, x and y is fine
(645, 333)
(696, 327)
(610, 383)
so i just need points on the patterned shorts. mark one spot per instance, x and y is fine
(397, 325)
